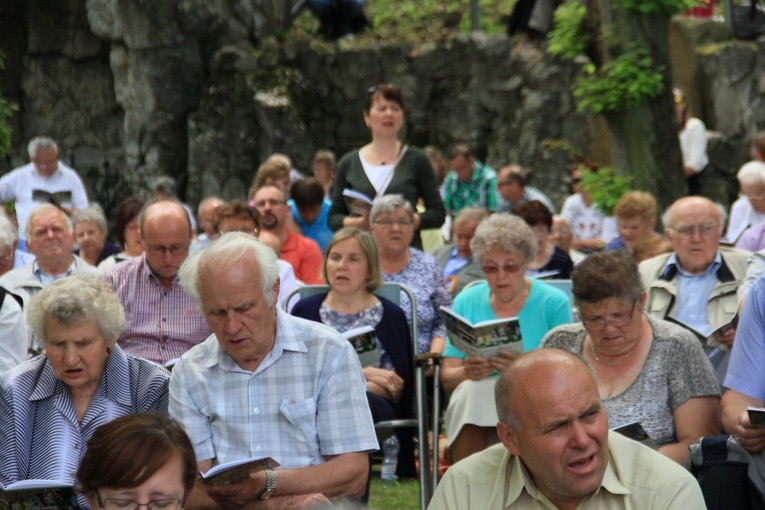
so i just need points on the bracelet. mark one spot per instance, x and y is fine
(270, 485)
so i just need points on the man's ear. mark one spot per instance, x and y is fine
(509, 438)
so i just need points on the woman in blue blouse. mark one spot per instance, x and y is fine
(51, 405)
(392, 220)
(352, 270)
(504, 245)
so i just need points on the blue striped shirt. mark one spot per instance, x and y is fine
(40, 434)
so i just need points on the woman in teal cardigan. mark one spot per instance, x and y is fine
(386, 166)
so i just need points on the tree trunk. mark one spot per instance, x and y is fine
(645, 140)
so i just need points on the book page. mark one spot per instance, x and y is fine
(232, 472)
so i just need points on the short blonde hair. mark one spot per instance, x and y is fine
(369, 248)
(636, 204)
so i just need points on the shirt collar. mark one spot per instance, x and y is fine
(672, 267)
(151, 275)
(518, 479)
(42, 275)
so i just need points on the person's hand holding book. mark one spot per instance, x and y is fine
(476, 367)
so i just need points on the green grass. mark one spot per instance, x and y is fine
(419, 20)
(402, 495)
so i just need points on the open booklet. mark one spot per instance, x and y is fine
(364, 340)
(357, 203)
(711, 338)
(636, 432)
(232, 472)
(484, 338)
(38, 494)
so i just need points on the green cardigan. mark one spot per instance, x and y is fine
(413, 178)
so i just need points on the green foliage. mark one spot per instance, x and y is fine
(567, 39)
(660, 6)
(621, 84)
(6, 111)
(605, 187)
(420, 20)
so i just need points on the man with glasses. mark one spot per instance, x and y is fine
(44, 179)
(303, 253)
(513, 190)
(162, 321)
(50, 238)
(696, 283)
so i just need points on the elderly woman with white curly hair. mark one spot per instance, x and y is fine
(50, 405)
(504, 245)
(90, 233)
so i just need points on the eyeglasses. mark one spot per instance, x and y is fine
(752, 196)
(505, 268)
(617, 320)
(705, 231)
(175, 250)
(402, 223)
(126, 504)
(576, 180)
(272, 202)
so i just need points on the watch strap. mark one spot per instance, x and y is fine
(270, 485)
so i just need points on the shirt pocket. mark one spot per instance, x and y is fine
(302, 415)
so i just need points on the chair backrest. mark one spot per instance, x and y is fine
(565, 285)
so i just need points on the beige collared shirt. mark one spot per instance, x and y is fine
(636, 478)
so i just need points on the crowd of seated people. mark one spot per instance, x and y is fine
(93, 324)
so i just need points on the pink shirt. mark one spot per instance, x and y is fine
(304, 255)
(161, 324)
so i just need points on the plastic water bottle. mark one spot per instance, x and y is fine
(390, 459)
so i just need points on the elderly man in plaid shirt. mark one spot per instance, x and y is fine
(266, 384)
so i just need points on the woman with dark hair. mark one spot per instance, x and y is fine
(550, 260)
(648, 370)
(127, 232)
(138, 460)
(386, 166)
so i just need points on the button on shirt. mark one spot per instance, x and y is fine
(161, 324)
(306, 400)
(693, 292)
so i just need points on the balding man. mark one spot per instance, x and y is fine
(206, 218)
(162, 322)
(44, 180)
(696, 283)
(556, 450)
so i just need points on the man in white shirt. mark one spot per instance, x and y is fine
(44, 180)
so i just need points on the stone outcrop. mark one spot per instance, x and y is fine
(200, 90)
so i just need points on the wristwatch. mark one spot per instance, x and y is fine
(270, 485)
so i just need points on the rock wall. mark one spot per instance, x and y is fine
(199, 90)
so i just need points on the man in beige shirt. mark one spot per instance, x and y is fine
(557, 451)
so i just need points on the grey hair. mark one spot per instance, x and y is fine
(507, 233)
(40, 142)
(8, 232)
(469, 214)
(165, 184)
(92, 214)
(209, 200)
(45, 208)
(752, 172)
(77, 298)
(227, 250)
(389, 204)
(718, 206)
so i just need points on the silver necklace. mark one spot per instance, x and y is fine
(613, 364)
